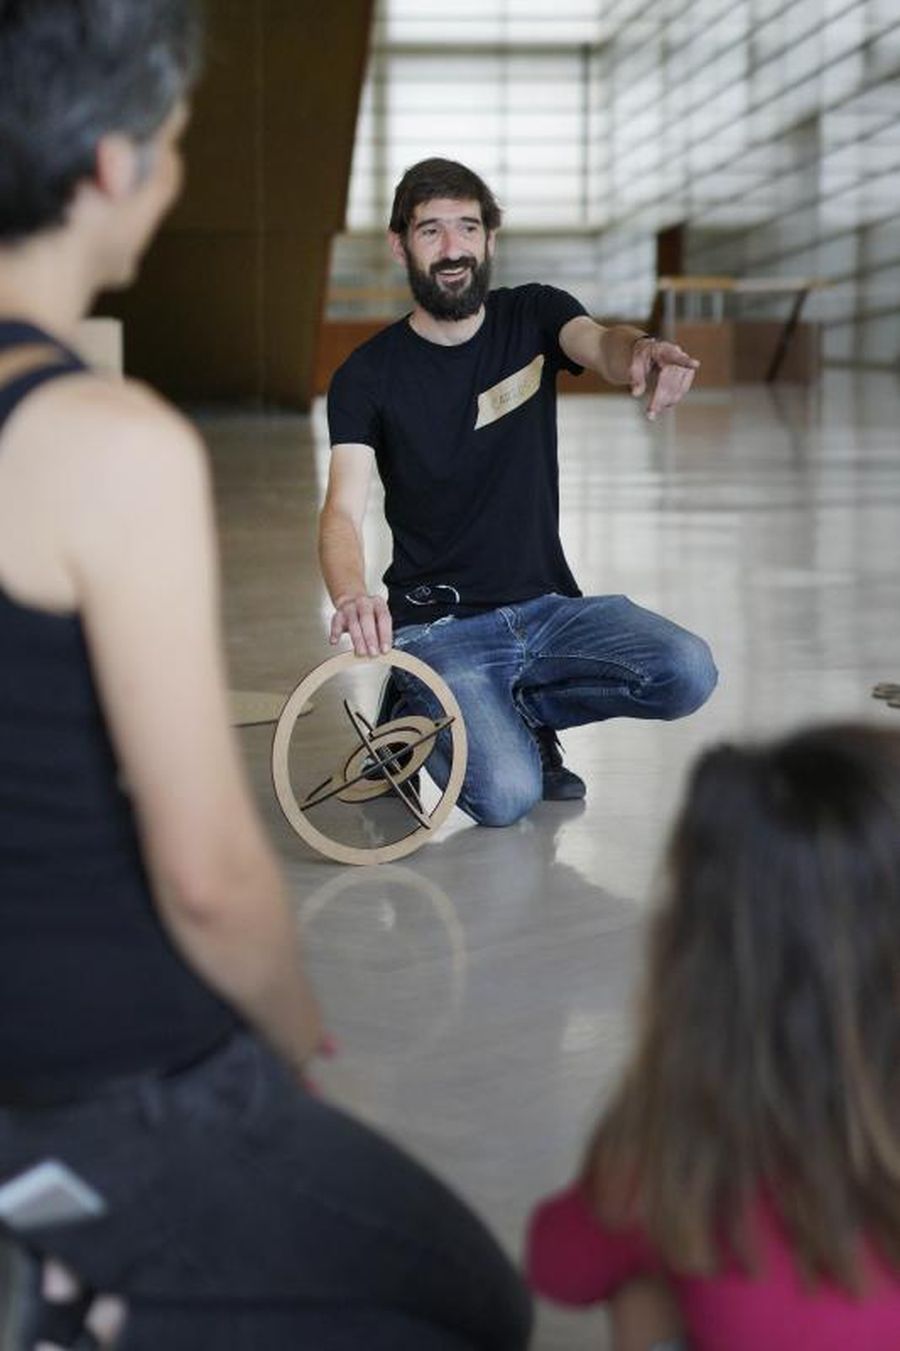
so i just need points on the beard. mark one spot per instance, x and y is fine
(449, 304)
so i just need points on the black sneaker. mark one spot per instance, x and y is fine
(560, 784)
(372, 769)
(388, 709)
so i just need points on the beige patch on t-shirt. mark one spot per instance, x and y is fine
(510, 393)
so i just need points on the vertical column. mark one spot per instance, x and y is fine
(230, 297)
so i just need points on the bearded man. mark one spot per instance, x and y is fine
(456, 405)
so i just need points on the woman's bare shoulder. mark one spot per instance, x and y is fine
(88, 436)
(102, 417)
(91, 470)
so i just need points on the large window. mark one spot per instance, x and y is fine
(503, 86)
(769, 128)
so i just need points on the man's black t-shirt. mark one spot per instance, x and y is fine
(465, 441)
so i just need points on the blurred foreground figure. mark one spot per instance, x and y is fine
(155, 1022)
(743, 1183)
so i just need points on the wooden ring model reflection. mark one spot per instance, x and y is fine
(381, 760)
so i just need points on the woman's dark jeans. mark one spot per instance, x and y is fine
(244, 1212)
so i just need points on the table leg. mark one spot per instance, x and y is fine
(785, 336)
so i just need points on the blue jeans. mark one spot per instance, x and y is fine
(246, 1213)
(556, 661)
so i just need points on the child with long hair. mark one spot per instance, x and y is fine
(742, 1189)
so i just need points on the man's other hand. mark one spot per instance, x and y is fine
(367, 620)
(663, 368)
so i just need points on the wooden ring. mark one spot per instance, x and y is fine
(299, 820)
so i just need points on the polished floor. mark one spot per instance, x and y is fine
(479, 990)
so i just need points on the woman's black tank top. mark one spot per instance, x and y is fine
(91, 988)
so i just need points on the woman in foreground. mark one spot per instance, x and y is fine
(155, 1023)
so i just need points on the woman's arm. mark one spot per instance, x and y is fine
(139, 542)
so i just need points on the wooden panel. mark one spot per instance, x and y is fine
(222, 185)
(295, 278)
(755, 343)
(229, 300)
(223, 283)
(337, 339)
(191, 324)
(713, 346)
(314, 60)
(271, 137)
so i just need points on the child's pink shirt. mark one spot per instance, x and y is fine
(574, 1259)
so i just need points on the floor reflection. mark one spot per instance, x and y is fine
(481, 991)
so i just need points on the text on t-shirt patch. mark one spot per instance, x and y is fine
(510, 393)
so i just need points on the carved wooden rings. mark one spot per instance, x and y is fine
(382, 759)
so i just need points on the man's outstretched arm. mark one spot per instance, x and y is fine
(363, 616)
(626, 356)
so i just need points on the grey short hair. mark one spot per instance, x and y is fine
(72, 71)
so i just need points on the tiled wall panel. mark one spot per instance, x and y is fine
(769, 129)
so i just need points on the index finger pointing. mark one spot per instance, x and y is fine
(669, 355)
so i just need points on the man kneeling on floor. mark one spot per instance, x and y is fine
(456, 404)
